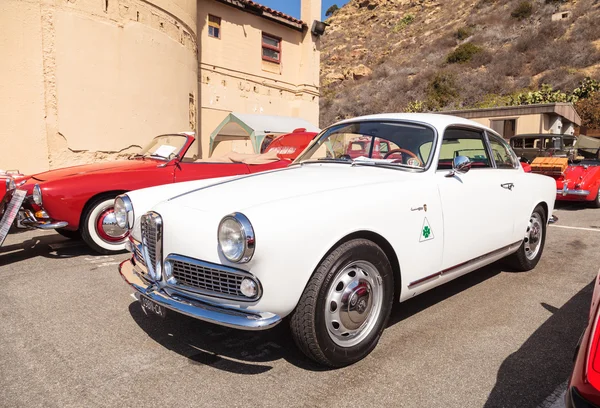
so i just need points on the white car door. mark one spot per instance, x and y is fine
(513, 196)
(477, 217)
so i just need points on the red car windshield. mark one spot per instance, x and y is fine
(164, 147)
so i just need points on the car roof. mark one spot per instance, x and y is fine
(437, 120)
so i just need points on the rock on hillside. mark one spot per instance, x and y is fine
(398, 55)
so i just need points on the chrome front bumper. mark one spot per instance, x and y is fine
(579, 193)
(26, 219)
(208, 312)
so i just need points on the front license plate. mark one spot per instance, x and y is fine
(11, 212)
(152, 307)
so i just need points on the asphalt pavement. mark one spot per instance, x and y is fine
(71, 335)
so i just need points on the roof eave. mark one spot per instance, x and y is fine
(257, 11)
(564, 109)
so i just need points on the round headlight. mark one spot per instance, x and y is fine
(37, 195)
(236, 238)
(123, 210)
(10, 184)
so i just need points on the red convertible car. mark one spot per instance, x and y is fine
(78, 201)
(584, 385)
(575, 181)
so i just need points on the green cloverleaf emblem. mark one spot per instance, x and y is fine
(426, 232)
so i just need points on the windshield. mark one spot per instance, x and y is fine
(588, 156)
(164, 147)
(374, 142)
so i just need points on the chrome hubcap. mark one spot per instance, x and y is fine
(107, 227)
(533, 236)
(353, 303)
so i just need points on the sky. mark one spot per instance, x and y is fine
(292, 7)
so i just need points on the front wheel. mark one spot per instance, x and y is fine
(529, 253)
(596, 202)
(345, 306)
(99, 227)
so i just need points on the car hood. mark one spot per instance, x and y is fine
(309, 179)
(105, 167)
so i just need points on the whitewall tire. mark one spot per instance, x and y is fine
(99, 229)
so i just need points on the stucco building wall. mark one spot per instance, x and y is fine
(233, 76)
(524, 124)
(90, 80)
(94, 79)
(22, 126)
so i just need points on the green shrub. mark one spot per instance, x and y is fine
(415, 107)
(441, 91)
(523, 10)
(404, 22)
(586, 88)
(463, 53)
(463, 33)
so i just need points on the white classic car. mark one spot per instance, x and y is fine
(333, 240)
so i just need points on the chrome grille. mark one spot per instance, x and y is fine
(138, 255)
(149, 237)
(151, 229)
(206, 278)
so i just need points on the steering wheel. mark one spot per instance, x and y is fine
(404, 151)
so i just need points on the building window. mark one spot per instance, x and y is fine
(271, 48)
(214, 26)
(506, 128)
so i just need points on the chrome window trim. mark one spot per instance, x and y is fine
(189, 290)
(506, 145)
(408, 122)
(486, 145)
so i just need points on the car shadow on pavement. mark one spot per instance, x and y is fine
(545, 359)
(571, 205)
(245, 352)
(413, 306)
(48, 245)
(223, 348)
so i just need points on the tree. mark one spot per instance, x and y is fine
(331, 10)
(589, 110)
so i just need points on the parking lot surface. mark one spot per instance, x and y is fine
(71, 335)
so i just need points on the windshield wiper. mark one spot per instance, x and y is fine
(384, 164)
(327, 160)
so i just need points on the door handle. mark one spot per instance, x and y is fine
(508, 186)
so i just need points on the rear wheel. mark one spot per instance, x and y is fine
(99, 227)
(529, 253)
(345, 306)
(68, 233)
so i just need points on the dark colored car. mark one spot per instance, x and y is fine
(531, 146)
(584, 385)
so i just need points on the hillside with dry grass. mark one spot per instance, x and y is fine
(427, 55)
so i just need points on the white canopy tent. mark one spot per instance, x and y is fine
(255, 127)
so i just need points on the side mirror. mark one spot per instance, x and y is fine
(460, 165)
